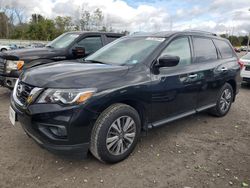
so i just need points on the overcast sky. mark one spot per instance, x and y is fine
(220, 16)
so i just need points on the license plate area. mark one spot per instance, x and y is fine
(12, 116)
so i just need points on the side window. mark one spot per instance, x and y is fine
(204, 49)
(224, 48)
(179, 47)
(91, 44)
(111, 38)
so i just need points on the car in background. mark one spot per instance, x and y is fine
(133, 84)
(243, 48)
(68, 46)
(245, 72)
(36, 45)
(4, 48)
(237, 49)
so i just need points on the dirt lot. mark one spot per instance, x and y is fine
(198, 151)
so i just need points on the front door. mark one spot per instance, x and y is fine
(174, 89)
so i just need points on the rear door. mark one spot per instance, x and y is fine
(213, 68)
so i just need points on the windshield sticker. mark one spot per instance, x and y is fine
(155, 39)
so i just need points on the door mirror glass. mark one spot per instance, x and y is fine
(78, 52)
(168, 61)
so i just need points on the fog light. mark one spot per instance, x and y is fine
(58, 131)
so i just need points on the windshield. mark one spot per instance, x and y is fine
(126, 51)
(63, 41)
(247, 56)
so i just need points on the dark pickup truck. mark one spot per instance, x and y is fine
(68, 46)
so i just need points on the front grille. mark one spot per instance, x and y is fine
(22, 92)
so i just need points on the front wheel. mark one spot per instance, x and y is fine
(115, 133)
(224, 101)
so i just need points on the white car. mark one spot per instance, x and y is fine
(245, 72)
(4, 48)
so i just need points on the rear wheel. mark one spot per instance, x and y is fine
(115, 133)
(224, 101)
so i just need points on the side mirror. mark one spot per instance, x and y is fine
(167, 61)
(78, 52)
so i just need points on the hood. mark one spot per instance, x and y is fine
(30, 54)
(73, 75)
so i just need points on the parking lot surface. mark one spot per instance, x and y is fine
(197, 151)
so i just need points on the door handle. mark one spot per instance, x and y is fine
(192, 76)
(223, 69)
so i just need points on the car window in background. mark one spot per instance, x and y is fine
(91, 44)
(111, 38)
(63, 41)
(179, 47)
(126, 51)
(204, 49)
(224, 48)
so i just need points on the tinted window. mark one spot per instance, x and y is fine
(111, 38)
(179, 47)
(204, 49)
(224, 48)
(91, 44)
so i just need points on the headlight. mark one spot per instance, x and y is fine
(66, 96)
(13, 65)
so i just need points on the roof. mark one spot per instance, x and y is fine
(166, 34)
(96, 32)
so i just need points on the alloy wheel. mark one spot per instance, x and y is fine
(225, 100)
(121, 135)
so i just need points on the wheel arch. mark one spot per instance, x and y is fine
(139, 106)
(3, 49)
(233, 85)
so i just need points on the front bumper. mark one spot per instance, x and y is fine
(9, 82)
(77, 121)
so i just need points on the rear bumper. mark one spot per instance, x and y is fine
(245, 74)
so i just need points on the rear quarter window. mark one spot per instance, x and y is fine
(224, 48)
(204, 49)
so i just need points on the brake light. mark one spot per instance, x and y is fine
(241, 64)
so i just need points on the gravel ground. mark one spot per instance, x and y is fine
(197, 151)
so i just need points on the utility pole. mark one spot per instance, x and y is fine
(248, 38)
(248, 42)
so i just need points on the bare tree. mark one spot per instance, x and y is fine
(19, 15)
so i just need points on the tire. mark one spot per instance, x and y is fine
(225, 99)
(105, 137)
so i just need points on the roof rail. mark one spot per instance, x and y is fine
(200, 31)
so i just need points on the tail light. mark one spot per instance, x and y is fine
(241, 64)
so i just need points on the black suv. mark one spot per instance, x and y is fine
(131, 85)
(71, 45)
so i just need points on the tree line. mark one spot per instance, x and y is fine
(236, 40)
(13, 25)
(39, 27)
